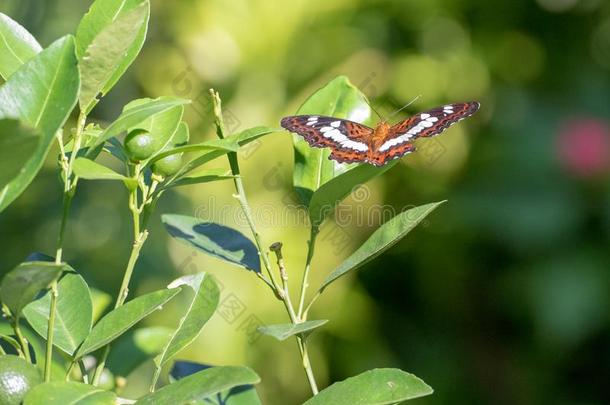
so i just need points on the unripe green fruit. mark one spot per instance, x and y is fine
(168, 166)
(17, 377)
(139, 145)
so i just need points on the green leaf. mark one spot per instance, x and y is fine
(222, 145)
(328, 195)
(111, 39)
(201, 385)
(18, 143)
(17, 46)
(285, 330)
(386, 236)
(69, 393)
(116, 322)
(133, 116)
(239, 395)
(41, 94)
(162, 126)
(20, 286)
(73, 314)
(242, 138)
(312, 168)
(205, 295)
(133, 349)
(201, 176)
(217, 240)
(90, 170)
(379, 386)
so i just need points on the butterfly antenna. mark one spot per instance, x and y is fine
(372, 108)
(408, 104)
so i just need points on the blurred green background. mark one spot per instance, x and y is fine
(500, 297)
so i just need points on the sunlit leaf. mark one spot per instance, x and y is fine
(17, 46)
(381, 240)
(20, 286)
(109, 38)
(69, 393)
(239, 395)
(73, 314)
(201, 385)
(325, 199)
(116, 322)
(374, 387)
(133, 116)
(217, 240)
(18, 143)
(41, 94)
(285, 330)
(312, 168)
(204, 300)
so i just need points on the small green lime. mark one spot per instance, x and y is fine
(17, 377)
(168, 166)
(139, 145)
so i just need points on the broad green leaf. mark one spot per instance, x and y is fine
(17, 46)
(379, 386)
(285, 330)
(201, 385)
(133, 116)
(69, 393)
(381, 240)
(325, 199)
(134, 348)
(90, 170)
(222, 145)
(201, 176)
(20, 286)
(73, 314)
(17, 145)
(162, 126)
(17, 377)
(204, 300)
(41, 94)
(242, 138)
(312, 168)
(239, 395)
(116, 322)
(110, 47)
(217, 240)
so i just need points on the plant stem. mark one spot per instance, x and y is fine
(305, 283)
(22, 340)
(68, 195)
(139, 239)
(280, 292)
(301, 342)
(241, 195)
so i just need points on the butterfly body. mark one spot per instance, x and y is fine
(350, 141)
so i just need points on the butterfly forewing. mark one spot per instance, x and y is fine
(348, 140)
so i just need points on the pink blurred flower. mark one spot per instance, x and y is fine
(583, 147)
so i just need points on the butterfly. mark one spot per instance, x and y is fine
(351, 142)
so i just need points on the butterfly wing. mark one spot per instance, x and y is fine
(398, 141)
(348, 140)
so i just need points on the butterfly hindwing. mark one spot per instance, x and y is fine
(347, 140)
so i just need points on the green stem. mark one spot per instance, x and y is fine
(68, 194)
(22, 340)
(305, 283)
(139, 239)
